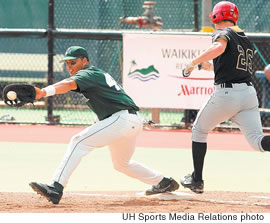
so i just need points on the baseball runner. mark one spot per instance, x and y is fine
(234, 97)
(118, 126)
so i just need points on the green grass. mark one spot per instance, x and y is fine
(76, 117)
(23, 163)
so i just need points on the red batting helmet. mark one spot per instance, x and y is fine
(224, 10)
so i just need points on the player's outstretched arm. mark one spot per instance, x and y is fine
(61, 87)
(215, 50)
(39, 93)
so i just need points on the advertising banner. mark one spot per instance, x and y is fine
(152, 70)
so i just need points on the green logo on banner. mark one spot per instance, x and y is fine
(144, 74)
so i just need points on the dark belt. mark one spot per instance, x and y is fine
(230, 85)
(132, 111)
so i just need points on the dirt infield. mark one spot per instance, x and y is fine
(182, 201)
(132, 202)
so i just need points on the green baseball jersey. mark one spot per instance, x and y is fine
(105, 96)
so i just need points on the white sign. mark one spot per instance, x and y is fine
(152, 70)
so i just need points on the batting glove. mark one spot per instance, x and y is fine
(188, 69)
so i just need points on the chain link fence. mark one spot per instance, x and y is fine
(24, 56)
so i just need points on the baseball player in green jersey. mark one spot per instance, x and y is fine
(234, 97)
(118, 125)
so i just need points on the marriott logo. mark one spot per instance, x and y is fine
(190, 90)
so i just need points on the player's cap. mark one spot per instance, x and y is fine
(75, 52)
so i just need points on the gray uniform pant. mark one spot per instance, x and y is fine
(240, 104)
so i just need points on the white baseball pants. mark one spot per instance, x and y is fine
(119, 132)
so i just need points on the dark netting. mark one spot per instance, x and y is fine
(176, 15)
(102, 14)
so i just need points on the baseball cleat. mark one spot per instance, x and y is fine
(165, 185)
(195, 186)
(49, 192)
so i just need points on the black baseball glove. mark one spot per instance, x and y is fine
(26, 93)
